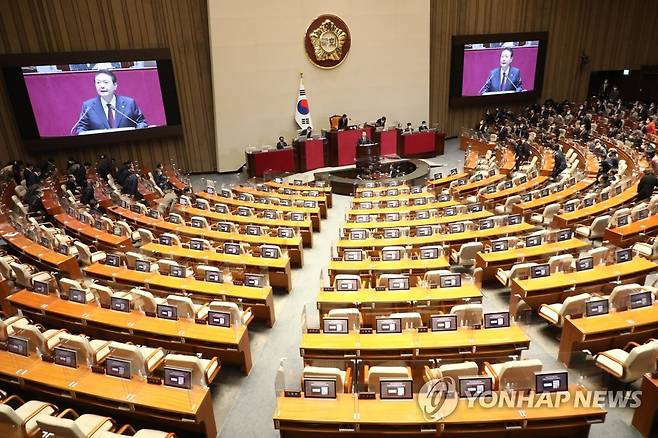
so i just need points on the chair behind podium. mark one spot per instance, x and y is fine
(334, 122)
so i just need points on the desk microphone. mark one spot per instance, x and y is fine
(516, 89)
(123, 114)
(84, 113)
(487, 82)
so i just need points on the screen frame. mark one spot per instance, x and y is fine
(457, 69)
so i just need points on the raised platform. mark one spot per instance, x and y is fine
(343, 181)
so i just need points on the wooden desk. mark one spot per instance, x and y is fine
(644, 415)
(369, 269)
(500, 195)
(184, 336)
(313, 212)
(637, 231)
(189, 410)
(436, 220)
(305, 227)
(278, 269)
(293, 245)
(347, 415)
(435, 184)
(581, 215)
(40, 255)
(568, 192)
(401, 209)
(86, 232)
(428, 143)
(464, 344)
(321, 200)
(277, 160)
(490, 262)
(560, 285)
(601, 333)
(258, 298)
(372, 303)
(326, 189)
(398, 197)
(435, 239)
(474, 186)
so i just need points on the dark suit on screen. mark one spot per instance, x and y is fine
(513, 81)
(95, 117)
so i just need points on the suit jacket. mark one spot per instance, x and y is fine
(512, 83)
(342, 123)
(95, 115)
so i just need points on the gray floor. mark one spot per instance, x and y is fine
(244, 405)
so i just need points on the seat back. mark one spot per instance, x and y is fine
(468, 251)
(35, 339)
(84, 252)
(132, 354)
(143, 300)
(457, 370)
(23, 274)
(549, 211)
(598, 255)
(520, 374)
(560, 263)
(184, 306)
(620, 295)
(641, 360)
(433, 277)
(10, 422)
(311, 372)
(382, 281)
(102, 293)
(189, 362)
(229, 307)
(353, 317)
(376, 373)
(469, 315)
(201, 221)
(60, 427)
(410, 320)
(574, 305)
(145, 236)
(348, 277)
(82, 347)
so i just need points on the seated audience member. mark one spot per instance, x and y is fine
(647, 184)
(381, 122)
(105, 167)
(168, 201)
(423, 126)
(87, 192)
(160, 178)
(31, 175)
(71, 184)
(409, 128)
(343, 122)
(282, 143)
(651, 126)
(560, 162)
(128, 179)
(94, 209)
(33, 197)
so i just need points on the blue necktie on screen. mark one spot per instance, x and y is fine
(502, 82)
(110, 116)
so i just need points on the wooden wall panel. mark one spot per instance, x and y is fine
(613, 34)
(32, 26)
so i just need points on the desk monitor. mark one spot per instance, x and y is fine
(278, 180)
(362, 218)
(71, 212)
(450, 280)
(270, 253)
(65, 357)
(544, 193)
(358, 234)
(391, 254)
(423, 214)
(571, 181)
(486, 224)
(44, 241)
(429, 253)
(416, 189)
(285, 232)
(136, 208)
(388, 325)
(177, 271)
(639, 299)
(166, 311)
(242, 197)
(507, 185)
(499, 245)
(287, 191)
(563, 235)
(214, 276)
(618, 189)
(490, 189)
(310, 204)
(588, 202)
(232, 248)
(393, 183)
(165, 240)
(424, 230)
(551, 381)
(243, 211)
(391, 233)
(597, 307)
(196, 244)
(478, 177)
(514, 219)
(443, 323)
(393, 204)
(474, 208)
(526, 197)
(458, 227)
(623, 255)
(219, 319)
(532, 241)
(200, 205)
(40, 287)
(210, 190)
(142, 266)
(224, 227)
(177, 377)
(263, 200)
(345, 284)
(222, 208)
(77, 295)
(63, 249)
(450, 211)
(420, 201)
(523, 179)
(339, 326)
(623, 220)
(353, 255)
(225, 193)
(320, 388)
(83, 219)
(395, 389)
(392, 192)
(99, 225)
(196, 223)
(365, 205)
(492, 172)
(445, 197)
(254, 280)
(453, 171)
(120, 304)
(643, 214)
(605, 196)
(392, 217)
(117, 230)
(540, 271)
(173, 219)
(17, 345)
(476, 386)
(153, 214)
(297, 182)
(398, 283)
(496, 320)
(367, 194)
(438, 175)
(584, 263)
(313, 193)
(569, 207)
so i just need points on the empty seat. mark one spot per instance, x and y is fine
(433, 277)
(8, 325)
(628, 366)
(238, 315)
(89, 351)
(342, 377)
(555, 313)
(376, 373)
(87, 257)
(348, 277)
(453, 371)
(560, 263)
(145, 236)
(84, 426)
(23, 273)
(466, 254)
(391, 250)
(469, 315)
(410, 320)
(204, 371)
(619, 296)
(143, 360)
(383, 279)
(199, 222)
(518, 374)
(598, 255)
(38, 343)
(546, 217)
(506, 208)
(145, 301)
(596, 230)
(648, 250)
(186, 308)
(22, 421)
(353, 317)
(66, 284)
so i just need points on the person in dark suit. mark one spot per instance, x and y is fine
(107, 110)
(560, 162)
(31, 176)
(505, 77)
(409, 129)
(342, 123)
(646, 185)
(282, 143)
(423, 126)
(105, 166)
(363, 140)
(381, 122)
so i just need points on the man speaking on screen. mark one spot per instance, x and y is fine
(107, 110)
(505, 77)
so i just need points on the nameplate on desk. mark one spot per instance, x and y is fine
(654, 375)
(199, 321)
(337, 259)
(414, 257)
(313, 330)
(154, 380)
(434, 286)
(47, 358)
(3, 346)
(328, 289)
(422, 329)
(380, 288)
(238, 283)
(97, 369)
(374, 259)
(367, 395)
(151, 314)
(295, 394)
(64, 297)
(365, 330)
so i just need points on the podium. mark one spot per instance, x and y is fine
(310, 153)
(100, 131)
(367, 155)
(421, 144)
(343, 144)
(270, 160)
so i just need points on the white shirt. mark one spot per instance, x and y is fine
(113, 102)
